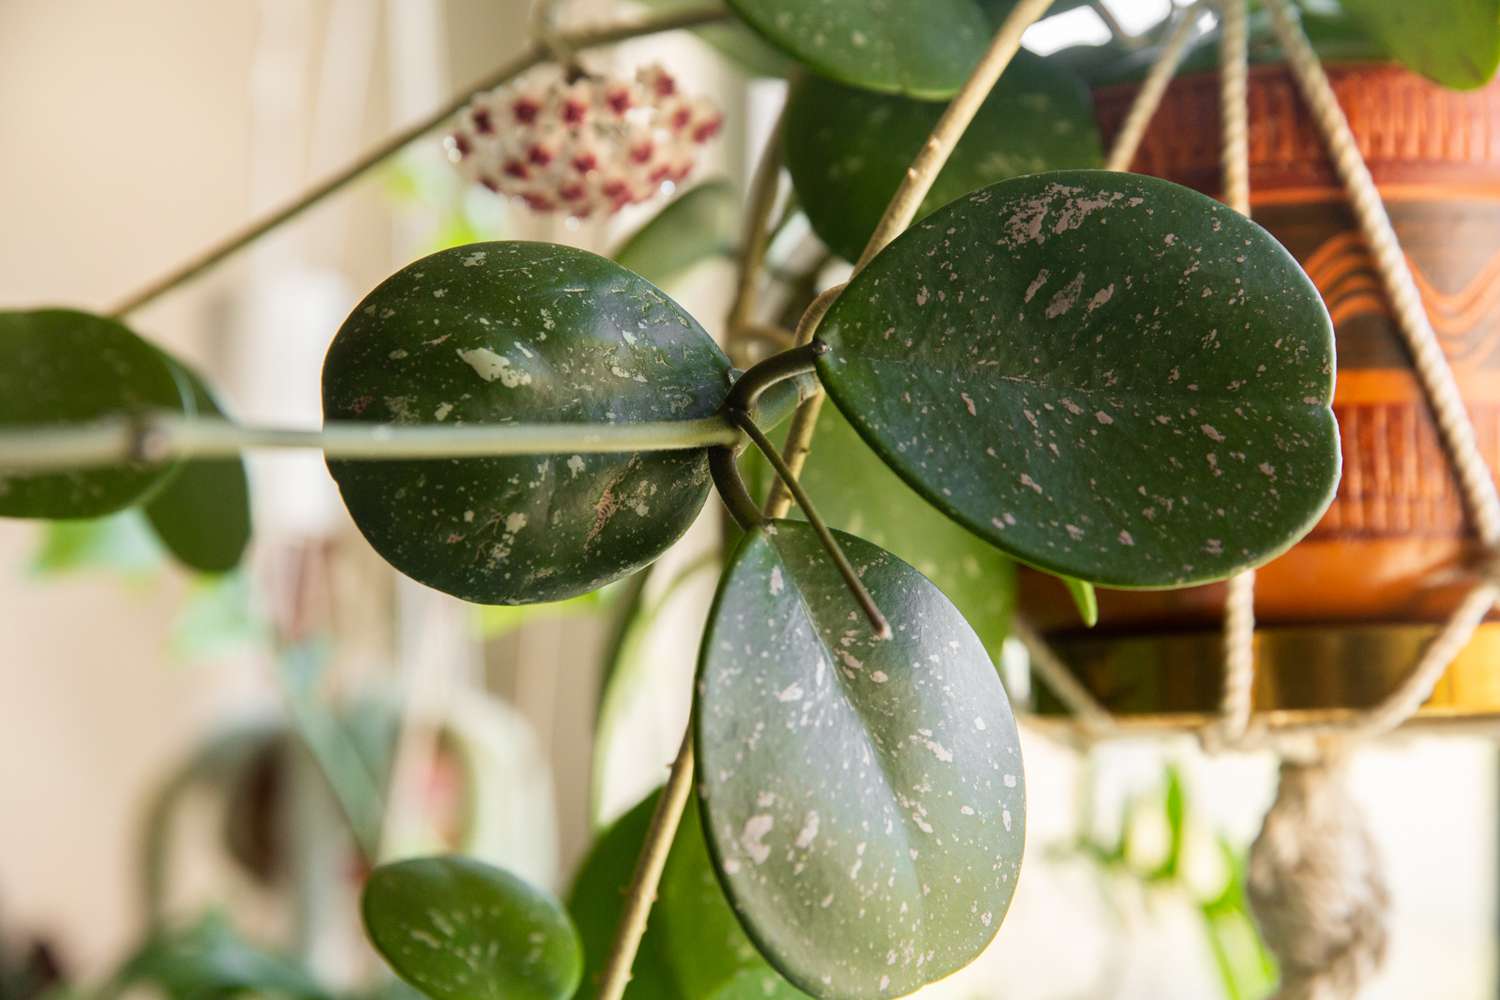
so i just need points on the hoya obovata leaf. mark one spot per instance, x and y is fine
(848, 150)
(1107, 375)
(203, 515)
(60, 366)
(522, 333)
(862, 798)
(921, 49)
(457, 929)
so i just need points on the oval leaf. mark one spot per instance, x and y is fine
(457, 929)
(522, 333)
(203, 515)
(1453, 42)
(735, 42)
(862, 798)
(697, 226)
(855, 491)
(1107, 375)
(59, 366)
(848, 149)
(919, 49)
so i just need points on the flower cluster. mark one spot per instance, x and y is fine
(582, 146)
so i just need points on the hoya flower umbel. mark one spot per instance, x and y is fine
(582, 146)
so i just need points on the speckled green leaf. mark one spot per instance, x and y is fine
(59, 366)
(862, 798)
(693, 945)
(522, 333)
(1107, 375)
(696, 227)
(457, 929)
(1454, 42)
(203, 515)
(855, 491)
(848, 149)
(921, 49)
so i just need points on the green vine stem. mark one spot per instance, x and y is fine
(903, 207)
(723, 467)
(535, 54)
(648, 869)
(161, 437)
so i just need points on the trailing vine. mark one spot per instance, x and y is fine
(1105, 376)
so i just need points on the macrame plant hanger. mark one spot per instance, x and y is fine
(1314, 879)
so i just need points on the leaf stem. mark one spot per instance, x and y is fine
(820, 528)
(903, 206)
(534, 54)
(777, 368)
(726, 476)
(648, 869)
(158, 437)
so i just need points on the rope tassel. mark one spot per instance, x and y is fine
(1316, 885)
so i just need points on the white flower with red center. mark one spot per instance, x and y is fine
(582, 146)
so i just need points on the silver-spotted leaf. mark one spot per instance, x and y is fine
(522, 333)
(202, 515)
(849, 149)
(921, 49)
(862, 798)
(60, 366)
(1107, 375)
(457, 929)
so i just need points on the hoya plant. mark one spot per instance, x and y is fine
(1102, 375)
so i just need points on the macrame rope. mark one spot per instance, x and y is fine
(1431, 365)
(1316, 886)
(1148, 98)
(1236, 701)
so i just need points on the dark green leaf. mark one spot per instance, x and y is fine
(693, 945)
(699, 225)
(862, 798)
(1453, 42)
(739, 44)
(203, 515)
(58, 366)
(848, 149)
(1084, 599)
(923, 50)
(209, 961)
(121, 542)
(1107, 375)
(457, 929)
(522, 332)
(854, 490)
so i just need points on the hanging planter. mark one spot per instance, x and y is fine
(1342, 616)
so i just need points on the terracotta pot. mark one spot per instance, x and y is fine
(1343, 612)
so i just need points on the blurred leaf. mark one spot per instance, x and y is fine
(737, 43)
(1455, 43)
(216, 617)
(1084, 598)
(122, 543)
(209, 961)
(698, 225)
(202, 515)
